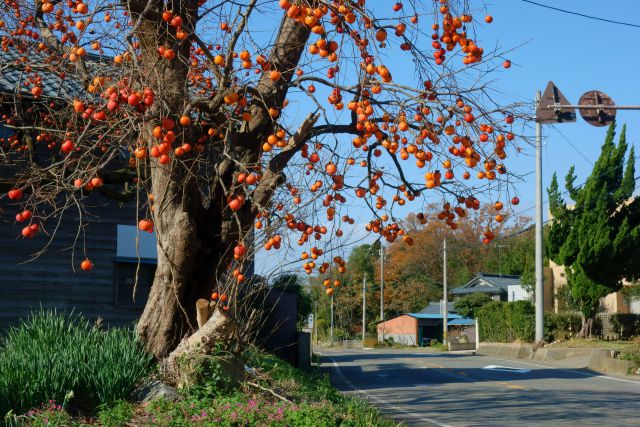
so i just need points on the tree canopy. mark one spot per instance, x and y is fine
(413, 274)
(238, 125)
(598, 238)
(468, 305)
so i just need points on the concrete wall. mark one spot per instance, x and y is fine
(518, 293)
(402, 329)
(612, 303)
(405, 339)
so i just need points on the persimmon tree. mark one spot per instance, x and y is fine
(244, 124)
(413, 274)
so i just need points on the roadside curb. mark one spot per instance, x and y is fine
(599, 360)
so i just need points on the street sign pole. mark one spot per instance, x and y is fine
(539, 265)
(364, 307)
(381, 282)
(331, 332)
(445, 313)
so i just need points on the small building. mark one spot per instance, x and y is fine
(615, 302)
(495, 285)
(417, 329)
(502, 287)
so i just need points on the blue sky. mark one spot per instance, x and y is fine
(578, 54)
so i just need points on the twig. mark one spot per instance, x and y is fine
(269, 391)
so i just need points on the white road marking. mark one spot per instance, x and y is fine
(506, 369)
(566, 370)
(382, 401)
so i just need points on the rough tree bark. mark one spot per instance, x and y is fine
(180, 363)
(195, 242)
(587, 326)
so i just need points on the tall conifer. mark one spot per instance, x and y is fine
(598, 239)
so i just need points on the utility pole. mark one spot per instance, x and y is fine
(445, 330)
(597, 109)
(539, 265)
(381, 282)
(315, 324)
(331, 331)
(364, 307)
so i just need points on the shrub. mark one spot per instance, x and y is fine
(312, 401)
(522, 317)
(117, 414)
(51, 354)
(507, 321)
(633, 354)
(51, 413)
(468, 305)
(493, 322)
(561, 326)
(626, 325)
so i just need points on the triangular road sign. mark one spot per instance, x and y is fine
(546, 113)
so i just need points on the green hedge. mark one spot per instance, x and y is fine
(561, 326)
(507, 321)
(51, 354)
(626, 325)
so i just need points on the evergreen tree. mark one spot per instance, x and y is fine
(598, 240)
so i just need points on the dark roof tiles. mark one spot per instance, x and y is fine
(488, 283)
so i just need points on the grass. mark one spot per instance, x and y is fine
(55, 357)
(596, 343)
(274, 394)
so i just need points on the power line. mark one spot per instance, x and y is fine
(562, 193)
(572, 145)
(524, 230)
(596, 18)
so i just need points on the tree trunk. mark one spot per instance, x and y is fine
(181, 366)
(587, 326)
(195, 240)
(190, 241)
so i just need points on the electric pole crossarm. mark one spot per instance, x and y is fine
(593, 107)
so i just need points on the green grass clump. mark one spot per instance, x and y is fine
(307, 399)
(51, 354)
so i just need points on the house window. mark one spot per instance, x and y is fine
(125, 280)
(5, 132)
(136, 253)
(133, 243)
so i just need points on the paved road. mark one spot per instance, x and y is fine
(443, 389)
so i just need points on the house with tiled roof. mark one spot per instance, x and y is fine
(497, 286)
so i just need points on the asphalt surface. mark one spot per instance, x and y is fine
(422, 389)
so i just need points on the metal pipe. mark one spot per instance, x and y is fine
(331, 333)
(381, 282)
(445, 318)
(538, 254)
(364, 307)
